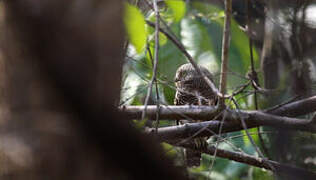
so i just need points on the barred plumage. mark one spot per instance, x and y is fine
(191, 87)
(193, 90)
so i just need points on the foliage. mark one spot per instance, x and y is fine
(135, 26)
(199, 27)
(200, 30)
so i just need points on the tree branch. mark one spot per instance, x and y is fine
(256, 161)
(252, 119)
(155, 63)
(225, 47)
(293, 109)
(296, 108)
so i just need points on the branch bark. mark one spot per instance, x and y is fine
(252, 119)
(155, 62)
(279, 168)
(225, 48)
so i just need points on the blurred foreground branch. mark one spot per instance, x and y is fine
(61, 57)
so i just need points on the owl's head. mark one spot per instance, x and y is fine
(186, 74)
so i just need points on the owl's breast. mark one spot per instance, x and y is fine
(183, 98)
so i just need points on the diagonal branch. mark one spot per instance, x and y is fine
(256, 161)
(296, 108)
(180, 46)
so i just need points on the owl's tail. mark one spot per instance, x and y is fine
(193, 158)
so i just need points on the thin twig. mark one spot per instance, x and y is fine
(125, 48)
(180, 46)
(254, 77)
(155, 58)
(141, 90)
(242, 135)
(225, 140)
(248, 93)
(157, 92)
(290, 171)
(241, 89)
(201, 130)
(283, 104)
(225, 48)
(217, 143)
(171, 33)
(219, 134)
(249, 136)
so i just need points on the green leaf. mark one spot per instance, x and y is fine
(135, 26)
(178, 9)
(151, 36)
(169, 94)
(170, 58)
(198, 43)
(261, 174)
(234, 169)
(131, 87)
(253, 133)
(169, 149)
(162, 39)
(239, 55)
(139, 124)
(195, 37)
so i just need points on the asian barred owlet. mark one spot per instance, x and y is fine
(193, 90)
(191, 87)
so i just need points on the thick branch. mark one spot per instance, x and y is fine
(172, 112)
(293, 109)
(296, 108)
(251, 118)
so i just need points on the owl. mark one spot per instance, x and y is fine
(193, 90)
(191, 87)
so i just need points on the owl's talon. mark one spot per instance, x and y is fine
(200, 143)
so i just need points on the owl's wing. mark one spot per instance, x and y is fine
(182, 98)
